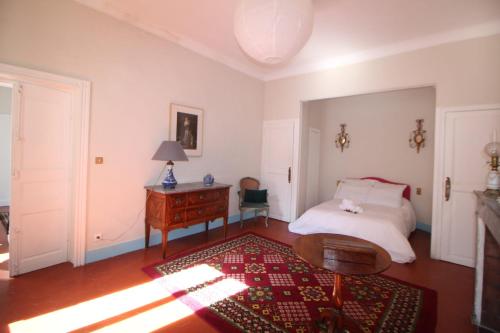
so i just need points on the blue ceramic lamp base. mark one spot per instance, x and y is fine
(169, 181)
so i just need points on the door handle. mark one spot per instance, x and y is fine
(289, 175)
(447, 189)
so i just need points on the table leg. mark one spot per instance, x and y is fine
(335, 322)
(338, 301)
(164, 235)
(225, 227)
(206, 226)
(148, 231)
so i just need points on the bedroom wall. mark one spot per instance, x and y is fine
(463, 73)
(5, 141)
(379, 125)
(135, 76)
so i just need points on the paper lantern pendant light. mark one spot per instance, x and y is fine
(273, 31)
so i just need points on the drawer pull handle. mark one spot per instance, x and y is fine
(178, 201)
(200, 211)
(177, 217)
(202, 196)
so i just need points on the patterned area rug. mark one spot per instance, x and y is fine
(253, 284)
(4, 217)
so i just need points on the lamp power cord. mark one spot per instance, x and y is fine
(139, 214)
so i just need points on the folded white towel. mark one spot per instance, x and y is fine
(350, 206)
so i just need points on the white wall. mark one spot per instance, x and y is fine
(5, 145)
(464, 73)
(135, 76)
(379, 126)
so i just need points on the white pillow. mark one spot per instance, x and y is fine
(352, 191)
(390, 195)
(364, 182)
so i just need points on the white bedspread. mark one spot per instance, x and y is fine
(385, 226)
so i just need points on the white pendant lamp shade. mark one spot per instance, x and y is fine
(273, 31)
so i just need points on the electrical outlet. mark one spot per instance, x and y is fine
(98, 236)
(419, 190)
(99, 160)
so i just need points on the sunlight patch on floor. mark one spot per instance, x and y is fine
(171, 312)
(4, 257)
(111, 305)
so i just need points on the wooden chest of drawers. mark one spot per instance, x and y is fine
(186, 205)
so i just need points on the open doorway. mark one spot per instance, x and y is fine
(46, 170)
(379, 125)
(5, 172)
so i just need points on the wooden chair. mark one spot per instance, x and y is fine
(249, 183)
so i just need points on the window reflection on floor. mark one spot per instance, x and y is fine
(106, 307)
(169, 313)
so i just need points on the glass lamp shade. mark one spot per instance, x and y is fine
(273, 31)
(492, 149)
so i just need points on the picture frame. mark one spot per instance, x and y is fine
(186, 127)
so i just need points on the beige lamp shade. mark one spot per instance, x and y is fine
(170, 151)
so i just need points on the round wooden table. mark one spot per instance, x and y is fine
(311, 249)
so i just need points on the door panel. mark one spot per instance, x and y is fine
(42, 196)
(41, 185)
(463, 232)
(277, 159)
(46, 240)
(466, 134)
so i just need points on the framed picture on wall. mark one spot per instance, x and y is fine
(186, 127)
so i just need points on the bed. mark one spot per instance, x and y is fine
(385, 220)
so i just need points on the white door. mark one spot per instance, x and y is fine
(277, 167)
(41, 181)
(465, 170)
(313, 159)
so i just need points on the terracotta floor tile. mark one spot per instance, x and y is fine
(62, 285)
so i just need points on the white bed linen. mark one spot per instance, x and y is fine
(385, 226)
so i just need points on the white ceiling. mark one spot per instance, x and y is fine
(345, 31)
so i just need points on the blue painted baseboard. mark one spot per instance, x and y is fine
(117, 249)
(424, 227)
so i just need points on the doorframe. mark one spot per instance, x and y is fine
(80, 95)
(439, 174)
(295, 161)
(317, 131)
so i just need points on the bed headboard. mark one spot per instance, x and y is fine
(406, 192)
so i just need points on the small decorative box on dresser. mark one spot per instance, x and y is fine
(186, 205)
(487, 291)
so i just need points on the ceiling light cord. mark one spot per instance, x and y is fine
(139, 213)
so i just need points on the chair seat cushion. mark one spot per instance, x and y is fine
(254, 205)
(255, 196)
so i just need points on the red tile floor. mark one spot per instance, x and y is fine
(60, 287)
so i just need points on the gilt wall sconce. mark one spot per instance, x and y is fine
(343, 139)
(417, 137)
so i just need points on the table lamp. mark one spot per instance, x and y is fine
(492, 149)
(170, 151)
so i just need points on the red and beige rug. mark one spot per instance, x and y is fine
(254, 284)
